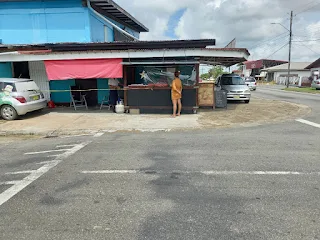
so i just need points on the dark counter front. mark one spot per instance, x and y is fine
(159, 100)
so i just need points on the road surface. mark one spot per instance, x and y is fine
(257, 182)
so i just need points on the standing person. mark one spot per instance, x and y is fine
(176, 90)
(113, 98)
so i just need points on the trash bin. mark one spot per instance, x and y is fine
(221, 100)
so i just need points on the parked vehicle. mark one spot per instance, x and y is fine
(316, 84)
(251, 83)
(235, 86)
(18, 97)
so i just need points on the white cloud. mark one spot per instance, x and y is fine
(247, 20)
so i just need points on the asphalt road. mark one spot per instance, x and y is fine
(258, 182)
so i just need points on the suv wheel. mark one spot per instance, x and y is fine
(247, 101)
(8, 113)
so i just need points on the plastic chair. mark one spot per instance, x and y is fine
(105, 103)
(82, 102)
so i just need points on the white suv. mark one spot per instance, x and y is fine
(18, 97)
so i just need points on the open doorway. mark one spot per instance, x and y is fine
(87, 84)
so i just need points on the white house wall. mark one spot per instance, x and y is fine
(293, 80)
(39, 75)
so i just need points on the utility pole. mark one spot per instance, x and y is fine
(290, 44)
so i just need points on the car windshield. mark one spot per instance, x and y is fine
(232, 80)
(250, 80)
(26, 86)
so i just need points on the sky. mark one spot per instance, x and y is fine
(249, 21)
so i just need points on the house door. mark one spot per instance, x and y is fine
(87, 84)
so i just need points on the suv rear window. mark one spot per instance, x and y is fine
(250, 80)
(26, 86)
(232, 80)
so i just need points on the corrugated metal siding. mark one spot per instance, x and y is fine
(39, 75)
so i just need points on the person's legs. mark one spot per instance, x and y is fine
(174, 103)
(179, 107)
(113, 99)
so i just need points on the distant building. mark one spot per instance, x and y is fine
(314, 69)
(253, 68)
(279, 74)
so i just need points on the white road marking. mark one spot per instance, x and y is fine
(255, 173)
(20, 185)
(63, 146)
(201, 172)
(51, 156)
(79, 135)
(98, 134)
(112, 172)
(20, 172)
(48, 151)
(45, 162)
(9, 183)
(308, 123)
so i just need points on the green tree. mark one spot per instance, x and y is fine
(216, 71)
(205, 76)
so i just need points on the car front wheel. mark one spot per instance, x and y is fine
(8, 113)
(247, 101)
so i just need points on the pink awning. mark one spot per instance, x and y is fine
(84, 69)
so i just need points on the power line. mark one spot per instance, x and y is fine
(304, 5)
(308, 48)
(307, 9)
(310, 40)
(271, 39)
(273, 46)
(278, 50)
(270, 48)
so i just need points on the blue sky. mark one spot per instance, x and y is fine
(173, 23)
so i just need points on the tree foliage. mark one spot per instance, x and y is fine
(214, 72)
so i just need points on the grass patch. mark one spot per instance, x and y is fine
(305, 90)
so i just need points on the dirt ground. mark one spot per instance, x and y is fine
(258, 111)
(68, 122)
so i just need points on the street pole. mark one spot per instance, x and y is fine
(290, 44)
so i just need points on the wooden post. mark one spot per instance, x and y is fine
(197, 83)
(125, 84)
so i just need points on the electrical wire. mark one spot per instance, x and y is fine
(304, 5)
(308, 48)
(309, 40)
(271, 39)
(272, 46)
(278, 50)
(307, 9)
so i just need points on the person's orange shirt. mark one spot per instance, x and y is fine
(176, 89)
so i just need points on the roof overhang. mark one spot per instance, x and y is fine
(315, 64)
(113, 11)
(213, 56)
(285, 70)
(60, 47)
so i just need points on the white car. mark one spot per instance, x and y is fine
(316, 84)
(251, 83)
(18, 97)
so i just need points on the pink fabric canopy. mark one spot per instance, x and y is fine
(84, 69)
